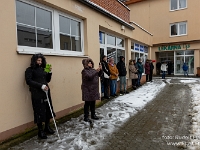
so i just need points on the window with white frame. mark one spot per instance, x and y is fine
(178, 4)
(45, 30)
(178, 28)
(70, 36)
(34, 26)
(114, 46)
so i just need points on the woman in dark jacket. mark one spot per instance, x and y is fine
(147, 70)
(38, 79)
(90, 87)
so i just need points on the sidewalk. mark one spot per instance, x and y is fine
(132, 121)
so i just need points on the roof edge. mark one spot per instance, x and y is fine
(107, 13)
(141, 28)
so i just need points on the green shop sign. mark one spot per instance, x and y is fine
(174, 47)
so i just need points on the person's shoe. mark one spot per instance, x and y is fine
(48, 130)
(121, 93)
(126, 92)
(106, 97)
(42, 134)
(116, 95)
(134, 87)
(95, 117)
(87, 120)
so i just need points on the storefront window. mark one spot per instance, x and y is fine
(120, 42)
(190, 62)
(110, 40)
(111, 53)
(179, 64)
(101, 37)
(179, 52)
(189, 52)
(120, 53)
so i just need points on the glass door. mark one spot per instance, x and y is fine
(189, 60)
(179, 64)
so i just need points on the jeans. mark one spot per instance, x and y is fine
(102, 87)
(163, 74)
(139, 78)
(113, 87)
(122, 83)
(185, 73)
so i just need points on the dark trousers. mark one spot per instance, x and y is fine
(150, 75)
(147, 77)
(134, 82)
(106, 84)
(89, 105)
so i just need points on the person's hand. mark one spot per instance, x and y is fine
(98, 69)
(45, 88)
(50, 69)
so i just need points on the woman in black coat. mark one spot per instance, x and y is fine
(38, 79)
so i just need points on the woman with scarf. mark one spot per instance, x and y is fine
(113, 77)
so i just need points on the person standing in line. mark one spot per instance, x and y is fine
(90, 87)
(106, 76)
(113, 77)
(164, 69)
(140, 68)
(38, 80)
(122, 75)
(185, 69)
(151, 71)
(147, 70)
(133, 73)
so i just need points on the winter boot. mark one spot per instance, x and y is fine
(95, 117)
(48, 129)
(87, 120)
(41, 133)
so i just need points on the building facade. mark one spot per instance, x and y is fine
(65, 31)
(174, 25)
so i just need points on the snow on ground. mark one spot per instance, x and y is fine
(75, 134)
(195, 114)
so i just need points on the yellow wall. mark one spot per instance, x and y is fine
(155, 16)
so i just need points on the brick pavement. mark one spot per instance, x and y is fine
(165, 119)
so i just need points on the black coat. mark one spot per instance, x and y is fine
(105, 67)
(35, 78)
(121, 67)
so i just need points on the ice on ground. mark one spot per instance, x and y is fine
(195, 114)
(75, 134)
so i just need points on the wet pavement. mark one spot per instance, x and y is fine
(163, 120)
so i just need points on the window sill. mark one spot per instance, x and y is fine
(177, 35)
(22, 50)
(178, 9)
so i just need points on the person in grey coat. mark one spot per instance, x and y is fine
(90, 87)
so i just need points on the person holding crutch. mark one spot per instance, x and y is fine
(38, 80)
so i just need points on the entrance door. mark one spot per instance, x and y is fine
(179, 64)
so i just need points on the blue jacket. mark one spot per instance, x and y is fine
(185, 67)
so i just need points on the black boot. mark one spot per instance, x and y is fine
(41, 133)
(95, 117)
(48, 129)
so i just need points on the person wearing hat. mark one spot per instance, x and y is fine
(140, 68)
(105, 76)
(122, 75)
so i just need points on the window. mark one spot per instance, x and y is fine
(178, 4)
(101, 37)
(120, 42)
(178, 28)
(69, 34)
(45, 30)
(34, 26)
(110, 40)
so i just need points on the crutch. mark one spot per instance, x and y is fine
(52, 114)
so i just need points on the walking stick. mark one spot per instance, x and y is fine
(52, 114)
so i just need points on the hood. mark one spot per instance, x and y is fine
(86, 61)
(120, 58)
